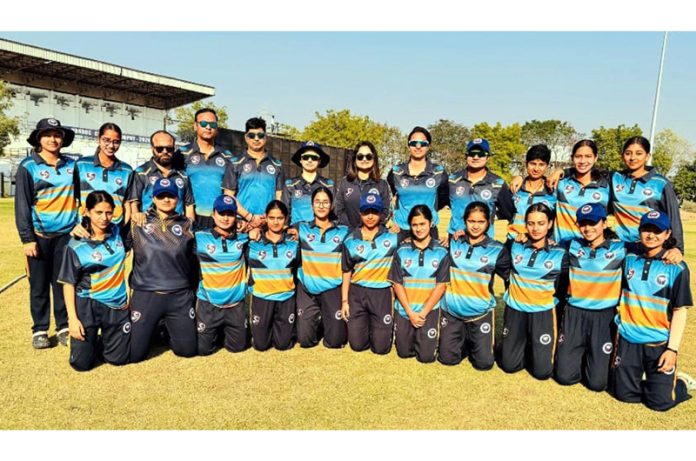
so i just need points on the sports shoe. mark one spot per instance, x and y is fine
(40, 340)
(688, 380)
(64, 336)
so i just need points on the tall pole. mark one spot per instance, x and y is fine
(657, 95)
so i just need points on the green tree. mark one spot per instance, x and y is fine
(507, 148)
(289, 132)
(392, 150)
(9, 126)
(670, 152)
(685, 182)
(449, 143)
(184, 116)
(610, 143)
(557, 135)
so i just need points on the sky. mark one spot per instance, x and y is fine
(589, 79)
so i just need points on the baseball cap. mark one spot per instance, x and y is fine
(478, 144)
(657, 219)
(371, 202)
(225, 203)
(165, 186)
(593, 212)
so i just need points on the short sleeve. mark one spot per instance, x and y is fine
(69, 268)
(396, 273)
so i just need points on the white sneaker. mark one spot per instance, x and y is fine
(688, 380)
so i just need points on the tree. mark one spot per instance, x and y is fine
(557, 135)
(9, 126)
(184, 116)
(392, 150)
(685, 182)
(670, 152)
(506, 147)
(449, 143)
(289, 132)
(610, 143)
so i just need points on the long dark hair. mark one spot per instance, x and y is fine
(352, 171)
(93, 199)
(478, 206)
(108, 126)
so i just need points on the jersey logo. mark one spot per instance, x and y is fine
(432, 333)
(430, 183)
(545, 339)
(617, 361)
(196, 159)
(387, 244)
(262, 255)
(597, 196)
(607, 348)
(435, 263)
(609, 255)
(119, 181)
(210, 248)
(149, 228)
(90, 176)
(201, 327)
(373, 191)
(270, 169)
(247, 167)
(239, 245)
(349, 191)
(561, 338)
(661, 280)
(220, 161)
(97, 256)
(647, 192)
(569, 188)
(619, 187)
(337, 315)
(443, 322)
(135, 316)
(44, 174)
(581, 253)
(255, 320)
(177, 230)
(69, 170)
(192, 313)
(631, 273)
(298, 193)
(486, 194)
(387, 319)
(289, 254)
(153, 180)
(484, 259)
(518, 259)
(404, 182)
(360, 249)
(517, 199)
(506, 331)
(408, 262)
(291, 318)
(459, 191)
(179, 183)
(311, 238)
(548, 265)
(485, 328)
(126, 328)
(336, 239)
(457, 253)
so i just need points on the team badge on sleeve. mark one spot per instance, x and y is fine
(486, 194)
(220, 161)
(270, 169)
(179, 183)
(430, 182)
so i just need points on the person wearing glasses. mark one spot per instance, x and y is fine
(159, 166)
(418, 181)
(363, 177)
(103, 171)
(297, 193)
(256, 177)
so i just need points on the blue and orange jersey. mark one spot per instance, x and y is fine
(595, 274)
(535, 277)
(144, 178)
(651, 290)
(297, 195)
(223, 267)
(571, 195)
(45, 199)
(491, 190)
(272, 268)
(419, 271)
(254, 185)
(90, 175)
(369, 260)
(205, 174)
(97, 269)
(632, 197)
(472, 269)
(522, 200)
(428, 188)
(320, 256)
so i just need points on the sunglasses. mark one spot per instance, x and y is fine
(204, 124)
(260, 135)
(367, 157)
(162, 149)
(418, 144)
(477, 153)
(308, 157)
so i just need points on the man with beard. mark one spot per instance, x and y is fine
(159, 166)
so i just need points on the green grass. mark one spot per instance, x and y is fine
(296, 389)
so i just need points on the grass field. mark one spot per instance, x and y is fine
(296, 389)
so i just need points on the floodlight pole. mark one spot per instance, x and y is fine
(657, 96)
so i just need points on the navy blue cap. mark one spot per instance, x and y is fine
(657, 219)
(593, 212)
(165, 185)
(225, 203)
(478, 144)
(371, 202)
(311, 145)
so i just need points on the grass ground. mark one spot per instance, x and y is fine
(296, 389)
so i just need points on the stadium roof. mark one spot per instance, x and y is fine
(42, 68)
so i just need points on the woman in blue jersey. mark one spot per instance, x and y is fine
(320, 276)
(220, 308)
(419, 181)
(538, 278)
(419, 276)
(273, 261)
(297, 192)
(651, 321)
(94, 287)
(366, 294)
(467, 323)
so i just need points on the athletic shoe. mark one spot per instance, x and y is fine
(40, 340)
(64, 336)
(688, 380)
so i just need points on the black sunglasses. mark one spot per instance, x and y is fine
(367, 157)
(310, 157)
(477, 153)
(162, 149)
(260, 135)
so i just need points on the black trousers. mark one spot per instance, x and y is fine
(472, 337)
(317, 314)
(529, 339)
(272, 323)
(176, 308)
(370, 323)
(659, 391)
(417, 342)
(42, 273)
(585, 345)
(113, 343)
(230, 324)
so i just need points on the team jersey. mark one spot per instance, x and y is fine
(535, 277)
(97, 269)
(472, 269)
(651, 289)
(45, 199)
(348, 193)
(205, 174)
(223, 268)
(523, 199)
(632, 197)
(320, 255)
(254, 185)
(428, 188)
(163, 254)
(144, 178)
(369, 260)
(571, 195)
(419, 271)
(272, 267)
(491, 190)
(90, 175)
(595, 274)
(297, 195)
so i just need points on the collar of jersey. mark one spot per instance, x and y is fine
(115, 166)
(483, 243)
(645, 178)
(266, 241)
(62, 159)
(431, 245)
(546, 247)
(429, 169)
(357, 232)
